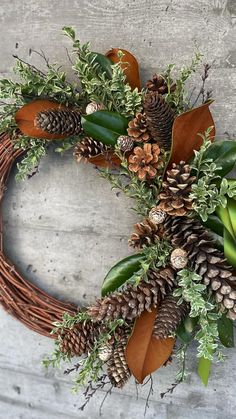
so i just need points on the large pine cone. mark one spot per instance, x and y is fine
(59, 121)
(206, 260)
(87, 148)
(145, 234)
(130, 303)
(160, 118)
(169, 316)
(137, 128)
(117, 368)
(174, 198)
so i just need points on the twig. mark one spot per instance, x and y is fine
(108, 393)
(202, 93)
(33, 68)
(150, 393)
(90, 390)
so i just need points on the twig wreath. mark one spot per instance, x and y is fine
(157, 145)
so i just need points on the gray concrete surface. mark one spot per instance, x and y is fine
(64, 228)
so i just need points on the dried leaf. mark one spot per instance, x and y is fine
(144, 353)
(25, 118)
(185, 132)
(106, 160)
(130, 66)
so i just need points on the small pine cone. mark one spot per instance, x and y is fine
(156, 216)
(206, 260)
(117, 368)
(160, 118)
(174, 198)
(179, 258)
(93, 107)
(105, 353)
(169, 316)
(87, 148)
(158, 84)
(59, 121)
(130, 303)
(137, 128)
(146, 161)
(80, 339)
(125, 143)
(146, 233)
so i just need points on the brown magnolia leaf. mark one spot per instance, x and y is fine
(129, 65)
(185, 132)
(144, 353)
(106, 160)
(25, 118)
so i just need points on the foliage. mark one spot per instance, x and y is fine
(35, 149)
(209, 191)
(155, 256)
(113, 92)
(179, 99)
(202, 306)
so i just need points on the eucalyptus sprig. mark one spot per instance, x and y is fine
(204, 308)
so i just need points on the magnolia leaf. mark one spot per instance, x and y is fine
(103, 62)
(25, 119)
(144, 353)
(204, 369)
(223, 153)
(186, 328)
(214, 224)
(106, 160)
(129, 65)
(186, 127)
(226, 331)
(105, 126)
(121, 272)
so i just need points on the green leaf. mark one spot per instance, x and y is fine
(214, 224)
(186, 328)
(121, 272)
(223, 154)
(104, 63)
(204, 368)
(68, 31)
(226, 331)
(105, 126)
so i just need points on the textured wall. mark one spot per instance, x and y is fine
(64, 228)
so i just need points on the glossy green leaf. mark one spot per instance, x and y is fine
(226, 331)
(121, 272)
(204, 369)
(228, 217)
(104, 63)
(105, 126)
(214, 224)
(186, 328)
(223, 154)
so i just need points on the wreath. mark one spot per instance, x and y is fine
(156, 144)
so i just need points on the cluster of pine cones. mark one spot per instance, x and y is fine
(148, 134)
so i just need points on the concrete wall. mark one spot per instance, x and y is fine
(64, 228)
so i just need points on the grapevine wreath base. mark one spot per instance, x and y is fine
(157, 145)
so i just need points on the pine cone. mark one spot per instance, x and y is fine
(164, 277)
(205, 259)
(145, 161)
(118, 370)
(160, 118)
(87, 148)
(79, 339)
(137, 128)
(174, 198)
(130, 303)
(125, 143)
(169, 316)
(158, 84)
(59, 121)
(146, 233)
